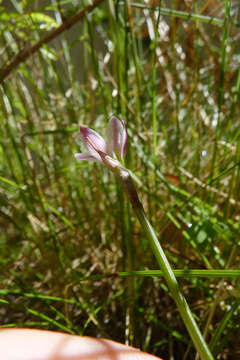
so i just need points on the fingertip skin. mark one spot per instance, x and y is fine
(33, 344)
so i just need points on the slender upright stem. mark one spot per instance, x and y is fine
(169, 276)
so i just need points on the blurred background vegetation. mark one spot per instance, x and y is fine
(69, 243)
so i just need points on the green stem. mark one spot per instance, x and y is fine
(168, 274)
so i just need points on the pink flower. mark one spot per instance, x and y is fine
(109, 151)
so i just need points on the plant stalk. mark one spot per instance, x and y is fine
(168, 274)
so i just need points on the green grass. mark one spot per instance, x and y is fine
(72, 255)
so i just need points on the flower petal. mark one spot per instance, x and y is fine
(116, 137)
(88, 157)
(93, 142)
